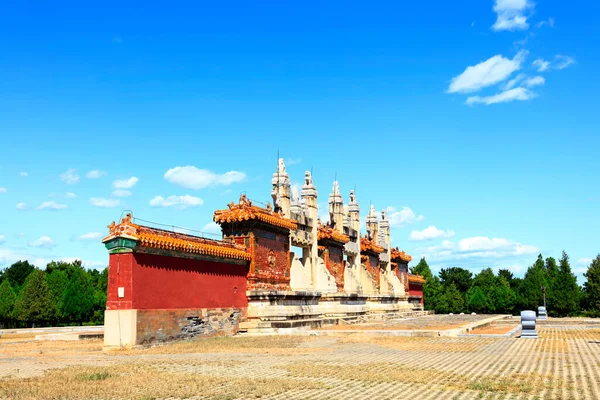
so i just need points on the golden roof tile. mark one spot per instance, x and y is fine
(245, 211)
(416, 278)
(327, 232)
(166, 240)
(400, 255)
(369, 245)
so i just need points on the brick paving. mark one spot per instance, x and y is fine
(566, 360)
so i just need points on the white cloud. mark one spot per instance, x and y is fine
(70, 177)
(191, 177)
(90, 236)
(430, 233)
(95, 174)
(104, 203)
(50, 205)
(2, 238)
(125, 183)
(23, 174)
(3, 190)
(513, 82)
(535, 81)
(585, 261)
(70, 195)
(511, 15)
(45, 242)
(523, 80)
(560, 62)
(21, 206)
(563, 61)
(180, 202)
(502, 97)
(293, 161)
(549, 22)
(212, 228)
(121, 193)
(402, 217)
(479, 244)
(8, 257)
(541, 64)
(477, 250)
(486, 73)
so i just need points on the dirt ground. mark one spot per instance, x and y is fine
(564, 363)
(432, 322)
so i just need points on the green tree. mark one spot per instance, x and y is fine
(553, 288)
(432, 291)
(7, 302)
(452, 300)
(35, 303)
(530, 290)
(503, 296)
(566, 290)
(68, 267)
(100, 291)
(17, 273)
(78, 298)
(591, 288)
(486, 280)
(57, 283)
(460, 277)
(477, 301)
(508, 276)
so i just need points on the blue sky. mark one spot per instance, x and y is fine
(474, 122)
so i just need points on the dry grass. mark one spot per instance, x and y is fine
(395, 327)
(279, 345)
(14, 337)
(433, 378)
(575, 333)
(552, 345)
(421, 344)
(493, 329)
(142, 381)
(51, 348)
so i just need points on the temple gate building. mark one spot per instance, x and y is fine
(166, 285)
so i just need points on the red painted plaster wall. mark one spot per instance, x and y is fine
(276, 246)
(162, 282)
(415, 290)
(119, 275)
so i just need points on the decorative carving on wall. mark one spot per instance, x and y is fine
(272, 258)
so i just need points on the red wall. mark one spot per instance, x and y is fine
(119, 275)
(415, 290)
(264, 243)
(162, 282)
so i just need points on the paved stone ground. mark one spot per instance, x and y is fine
(563, 364)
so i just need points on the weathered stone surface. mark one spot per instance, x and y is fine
(528, 325)
(165, 325)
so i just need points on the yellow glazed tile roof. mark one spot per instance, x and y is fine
(369, 245)
(327, 232)
(400, 255)
(166, 240)
(416, 278)
(244, 211)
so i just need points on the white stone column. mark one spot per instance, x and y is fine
(281, 189)
(309, 195)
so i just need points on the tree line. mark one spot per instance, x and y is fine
(456, 290)
(62, 294)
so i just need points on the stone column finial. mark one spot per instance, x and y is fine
(281, 189)
(336, 208)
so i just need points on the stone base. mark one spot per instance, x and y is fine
(270, 312)
(129, 328)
